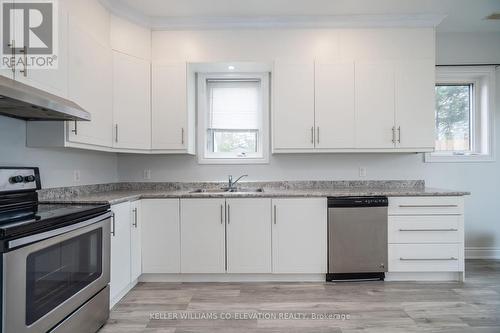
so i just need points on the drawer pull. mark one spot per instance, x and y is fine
(428, 206)
(425, 259)
(451, 229)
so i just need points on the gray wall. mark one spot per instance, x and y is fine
(56, 165)
(482, 179)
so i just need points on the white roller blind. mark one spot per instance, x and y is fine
(233, 104)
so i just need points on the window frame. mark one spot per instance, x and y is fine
(482, 113)
(206, 157)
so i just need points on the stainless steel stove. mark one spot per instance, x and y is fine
(54, 259)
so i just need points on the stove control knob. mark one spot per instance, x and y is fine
(16, 179)
(29, 179)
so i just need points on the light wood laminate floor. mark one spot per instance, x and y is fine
(473, 306)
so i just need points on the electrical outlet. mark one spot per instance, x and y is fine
(362, 172)
(76, 176)
(147, 174)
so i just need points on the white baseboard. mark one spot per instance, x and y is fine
(424, 276)
(482, 253)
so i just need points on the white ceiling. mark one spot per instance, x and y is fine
(461, 15)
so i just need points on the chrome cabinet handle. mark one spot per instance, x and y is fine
(116, 132)
(135, 218)
(221, 214)
(75, 129)
(274, 214)
(450, 229)
(317, 135)
(228, 214)
(394, 134)
(113, 233)
(399, 134)
(182, 135)
(24, 50)
(427, 206)
(434, 259)
(312, 135)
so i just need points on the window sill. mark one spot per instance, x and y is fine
(242, 161)
(450, 158)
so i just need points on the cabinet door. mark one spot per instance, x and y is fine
(131, 102)
(299, 235)
(160, 236)
(169, 106)
(6, 69)
(52, 80)
(120, 249)
(374, 105)
(293, 114)
(248, 235)
(334, 105)
(135, 240)
(415, 114)
(90, 86)
(202, 236)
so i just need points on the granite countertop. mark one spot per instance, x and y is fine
(121, 192)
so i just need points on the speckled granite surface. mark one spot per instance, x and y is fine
(120, 192)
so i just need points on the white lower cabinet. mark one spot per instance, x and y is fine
(425, 257)
(160, 236)
(120, 250)
(299, 233)
(248, 237)
(203, 236)
(125, 248)
(426, 235)
(135, 240)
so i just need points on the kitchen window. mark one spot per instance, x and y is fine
(464, 114)
(233, 113)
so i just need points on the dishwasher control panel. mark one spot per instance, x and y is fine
(358, 202)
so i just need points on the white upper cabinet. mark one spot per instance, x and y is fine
(90, 85)
(203, 236)
(131, 102)
(374, 105)
(129, 38)
(170, 129)
(248, 231)
(52, 80)
(334, 105)
(293, 115)
(415, 114)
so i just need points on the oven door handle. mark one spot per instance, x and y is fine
(56, 232)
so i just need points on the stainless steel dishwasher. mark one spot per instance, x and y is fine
(357, 238)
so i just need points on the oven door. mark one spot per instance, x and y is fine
(45, 281)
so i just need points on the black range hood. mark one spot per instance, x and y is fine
(21, 101)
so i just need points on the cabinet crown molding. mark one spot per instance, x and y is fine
(423, 20)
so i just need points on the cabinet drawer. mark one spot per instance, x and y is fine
(425, 229)
(425, 206)
(425, 258)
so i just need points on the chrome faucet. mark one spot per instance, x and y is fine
(232, 184)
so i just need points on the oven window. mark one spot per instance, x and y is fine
(56, 273)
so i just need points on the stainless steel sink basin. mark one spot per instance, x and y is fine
(226, 190)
